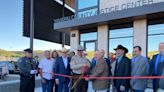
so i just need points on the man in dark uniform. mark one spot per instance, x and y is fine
(28, 70)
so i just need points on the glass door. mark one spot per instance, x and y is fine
(90, 48)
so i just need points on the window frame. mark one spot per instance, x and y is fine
(120, 26)
(89, 30)
(151, 22)
(87, 8)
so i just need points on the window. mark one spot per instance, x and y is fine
(87, 8)
(123, 36)
(155, 36)
(86, 3)
(88, 36)
(89, 42)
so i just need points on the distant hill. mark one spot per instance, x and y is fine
(14, 55)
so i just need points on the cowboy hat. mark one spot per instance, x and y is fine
(64, 50)
(122, 47)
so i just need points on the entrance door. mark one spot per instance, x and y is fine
(90, 47)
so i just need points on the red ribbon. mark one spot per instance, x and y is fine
(109, 78)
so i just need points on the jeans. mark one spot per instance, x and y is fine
(47, 86)
(63, 87)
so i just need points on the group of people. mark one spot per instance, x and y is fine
(55, 70)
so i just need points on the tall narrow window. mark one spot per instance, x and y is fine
(155, 36)
(123, 36)
(89, 42)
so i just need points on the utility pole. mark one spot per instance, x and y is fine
(31, 24)
(63, 15)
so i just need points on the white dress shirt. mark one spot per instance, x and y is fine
(47, 66)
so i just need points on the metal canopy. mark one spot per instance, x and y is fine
(45, 11)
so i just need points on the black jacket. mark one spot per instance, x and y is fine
(160, 69)
(123, 69)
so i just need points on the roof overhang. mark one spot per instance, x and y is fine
(45, 11)
(111, 18)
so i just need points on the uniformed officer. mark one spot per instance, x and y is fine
(78, 64)
(28, 69)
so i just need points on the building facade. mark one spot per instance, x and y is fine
(103, 24)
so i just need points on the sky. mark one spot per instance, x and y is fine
(11, 28)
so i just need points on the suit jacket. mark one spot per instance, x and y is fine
(161, 81)
(100, 70)
(139, 68)
(60, 69)
(152, 66)
(122, 69)
(159, 69)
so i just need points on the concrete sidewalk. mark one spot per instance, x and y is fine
(89, 89)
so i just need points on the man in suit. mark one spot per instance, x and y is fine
(161, 81)
(62, 66)
(122, 69)
(140, 67)
(154, 65)
(100, 70)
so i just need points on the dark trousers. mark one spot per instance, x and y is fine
(27, 84)
(63, 86)
(56, 87)
(82, 86)
(155, 85)
(138, 90)
(47, 86)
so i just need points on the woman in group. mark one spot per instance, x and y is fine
(55, 55)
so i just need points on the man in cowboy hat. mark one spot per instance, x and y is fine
(78, 64)
(62, 66)
(122, 69)
(28, 70)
